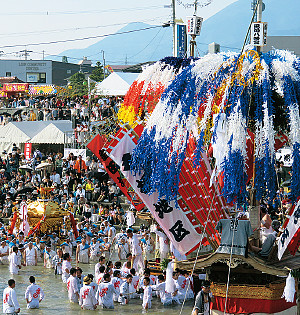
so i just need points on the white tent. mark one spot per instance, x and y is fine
(19, 133)
(54, 133)
(117, 83)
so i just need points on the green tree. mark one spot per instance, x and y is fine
(79, 84)
(97, 73)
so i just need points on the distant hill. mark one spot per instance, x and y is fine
(228, 27)
(135, 47)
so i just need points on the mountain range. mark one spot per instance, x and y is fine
(228, 27)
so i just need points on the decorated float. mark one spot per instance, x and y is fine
(42, 216)
(196, 142)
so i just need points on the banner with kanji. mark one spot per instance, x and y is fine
(170, 217)
(290, 231)
(27, 150)
(96, 146)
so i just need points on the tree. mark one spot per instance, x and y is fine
(79, 84)
(97, 73)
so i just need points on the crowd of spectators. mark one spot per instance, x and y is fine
(55, 108)
(82, 186)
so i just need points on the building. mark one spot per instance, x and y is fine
(41, 71)
(291, 43)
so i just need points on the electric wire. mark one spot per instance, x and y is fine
(83, 38)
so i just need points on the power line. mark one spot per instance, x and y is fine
(49, 13)
(79, 39)
(79, 28)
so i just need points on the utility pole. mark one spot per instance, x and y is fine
(25, 53)
(103, 64)
(193, 37)
(174, 27)
(259, 18)
(43, 54)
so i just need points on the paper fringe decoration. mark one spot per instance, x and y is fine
(192, 93)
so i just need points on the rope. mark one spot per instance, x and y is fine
(229, 270)
(194, 266)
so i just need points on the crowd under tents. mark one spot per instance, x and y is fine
(36, 132)
(116, 84)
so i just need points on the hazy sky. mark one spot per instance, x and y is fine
(35, 21)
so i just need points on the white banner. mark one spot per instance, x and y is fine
(290, 231)
(76, 152)
(24, 227)
(171, 218)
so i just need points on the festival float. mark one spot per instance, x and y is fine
(42, 216)
(196, 142)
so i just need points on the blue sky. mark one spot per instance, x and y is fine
(35, 21)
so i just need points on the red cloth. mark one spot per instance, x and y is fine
(246, 306)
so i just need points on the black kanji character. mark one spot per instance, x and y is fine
(234, 224)
(178, 231)
(126, 159)
(284, 236)
(140, 185)
(296, 216)
(112, 167)
(162, 207)
(103, 155)
(120, 181)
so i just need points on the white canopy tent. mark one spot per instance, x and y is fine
(37, 132)
(19, 133)
(54, 133)
(117, 83)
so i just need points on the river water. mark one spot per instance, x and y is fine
(56, 296)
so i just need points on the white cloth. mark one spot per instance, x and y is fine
(48, 258)
(95, 251)
(34, 294)
(289, 289)
(166, 298)
(138, 262)
(72, 287)
(87, 297)
(13, 264)
(83, 256)
(147, 297)
(4, 259)
(111, 234)
(105, 294)
(126, 291)
(116, 282)
(130, 219)
(134, 245)
(30, 256)
(123, 250)
(10, 302)
(65, 275)
(163, 244)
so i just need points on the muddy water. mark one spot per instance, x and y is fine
(56, 297)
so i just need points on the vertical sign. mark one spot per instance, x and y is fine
(180, 39)
(194, 24)
(27, 150)
(259, 34)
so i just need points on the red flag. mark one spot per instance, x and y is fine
(13, 222)
(37, 227)
(97, 147)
